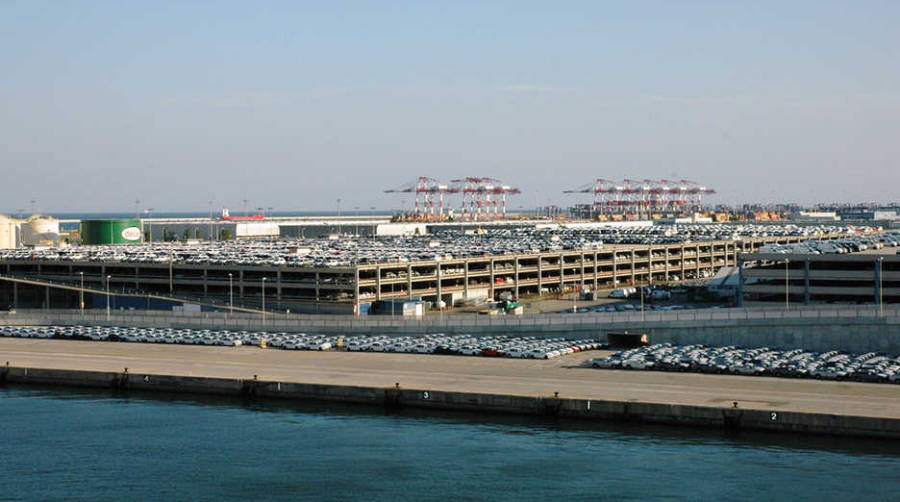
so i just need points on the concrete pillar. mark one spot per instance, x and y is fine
(516, 278)
(697, 262)
(437, 274)
(47, 297)
(378, 282)
(355, 289)
(540, 273)
(740, 291)
(317, 285)
(877, 277)
(15, 295)
(633, 277)
(596, 270)
(466, 279)
(582, 269)
(806, 281)
(562, 273)
(205, 281)
(491, 287)
(409, 281)
(666, 271)
(615, 270)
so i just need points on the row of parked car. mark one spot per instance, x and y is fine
(438, 343)
(470, 345)
(840, 246)
(671, 234)
(634, 307)
(797, 363)
(447, 243)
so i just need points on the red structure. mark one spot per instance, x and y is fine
(482, 197)
(425, 191)
(646, 196)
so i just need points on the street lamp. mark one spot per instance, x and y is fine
(642, 303)
(787, 285)
(357, 220)
(881, 286)
(339, 215)
(81, 293)
(230, 295)
(574, 297)
(264, 299)
(149, 213)
(108, 277)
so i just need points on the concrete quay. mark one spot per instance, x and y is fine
(563, 387)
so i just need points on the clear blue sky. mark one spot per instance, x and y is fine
(295, 104)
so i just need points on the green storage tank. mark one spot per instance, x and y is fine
(126, 231)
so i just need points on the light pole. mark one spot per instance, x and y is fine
(230, 295)
(81, 293)
(642, 303)
(787, 285)
(339, 216)
(881, 286)
(357, 220)
(264, 299)
(574, 297)
(149, 213)
(108, 277)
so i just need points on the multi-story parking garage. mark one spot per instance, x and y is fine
(341, 288)
(828, 278)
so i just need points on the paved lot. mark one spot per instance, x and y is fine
(569, 375)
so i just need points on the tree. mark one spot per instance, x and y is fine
(225, 235)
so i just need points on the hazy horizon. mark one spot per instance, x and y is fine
(293, 105)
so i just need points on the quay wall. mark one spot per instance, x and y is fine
(733, 418)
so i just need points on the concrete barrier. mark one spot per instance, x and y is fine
(558, 406)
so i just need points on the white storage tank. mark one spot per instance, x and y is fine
(9, 232)
(40, 231)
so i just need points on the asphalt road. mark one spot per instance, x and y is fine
(571, 376)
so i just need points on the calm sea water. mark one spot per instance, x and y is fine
(71, 445)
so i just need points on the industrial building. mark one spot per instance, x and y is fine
(804, 279)
(350, 287)
(35, 231)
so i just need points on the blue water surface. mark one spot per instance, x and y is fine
(74, 445)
